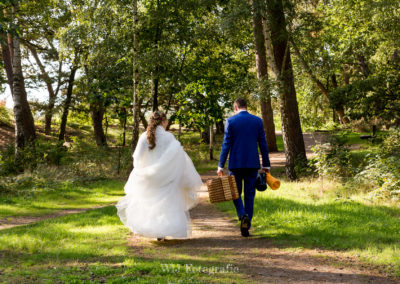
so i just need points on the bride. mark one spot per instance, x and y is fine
(162, 187)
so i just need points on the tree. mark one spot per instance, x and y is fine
(291, 127)
(67, 103)
(136, 106)
(262, 75)
(25, 132)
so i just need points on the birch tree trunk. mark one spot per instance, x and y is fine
(24, 124)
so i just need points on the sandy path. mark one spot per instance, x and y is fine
(310, 140)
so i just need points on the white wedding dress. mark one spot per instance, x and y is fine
(160, 190)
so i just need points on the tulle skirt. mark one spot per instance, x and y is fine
(158, 198)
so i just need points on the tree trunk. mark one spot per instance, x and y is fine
(106, 119)
(220, 127)
(24, 124)
(211, 148)
(205, 135)
(157, 68)
(291, 127)
(169, 125)
(52, 94)
(67, 104)
(179, 132)
(262, 76)
(124, 132)
(340, 110)
(143, 119)
(136, 106)
(7, 59)
(97, 113)
(363, 65)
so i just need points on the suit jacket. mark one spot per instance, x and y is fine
(244, 132)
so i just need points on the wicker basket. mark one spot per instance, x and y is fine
(222, 189)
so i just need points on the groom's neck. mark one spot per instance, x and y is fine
(241, 109)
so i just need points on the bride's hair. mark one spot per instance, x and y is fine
(155, 120)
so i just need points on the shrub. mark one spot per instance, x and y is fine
(383, 168)
(41, 152)
(333, 158)
(7, 161)
(5, 116)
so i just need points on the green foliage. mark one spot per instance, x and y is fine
(382, 172)
(199, 152)
(90, 161)
(377, 96)
(333, 159)
(5, 116)
(375, 170)
(40, 152)
(352, 49)
(198, 109)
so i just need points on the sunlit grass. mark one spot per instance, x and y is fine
(92, 247)
(48, 197)
(322, 214)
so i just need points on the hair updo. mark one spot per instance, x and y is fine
(156, 119)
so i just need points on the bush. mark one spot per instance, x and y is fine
(333, 159)
(7, 161)
(41, 152)
(383, 168)
(5, 116)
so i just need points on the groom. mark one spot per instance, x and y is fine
(243, 134)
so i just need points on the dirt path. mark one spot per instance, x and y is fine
(10, 222)
(217, 236)
(310, 140)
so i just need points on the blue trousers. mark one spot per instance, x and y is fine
(247, 177)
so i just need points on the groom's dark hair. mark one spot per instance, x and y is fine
(241, 103)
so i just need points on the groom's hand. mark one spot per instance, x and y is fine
(220, 173)
(267, 170)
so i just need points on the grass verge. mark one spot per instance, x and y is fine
(305, 215)
(33, 197)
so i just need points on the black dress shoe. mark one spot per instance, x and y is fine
(160, 239)
(244, 226)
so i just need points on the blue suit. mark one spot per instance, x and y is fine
(244, 133)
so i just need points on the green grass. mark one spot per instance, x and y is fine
(353, 138)
(303, 215)
(279, 142)
(91, 247)
(37, 197)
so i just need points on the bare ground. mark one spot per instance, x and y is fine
(7, 135)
